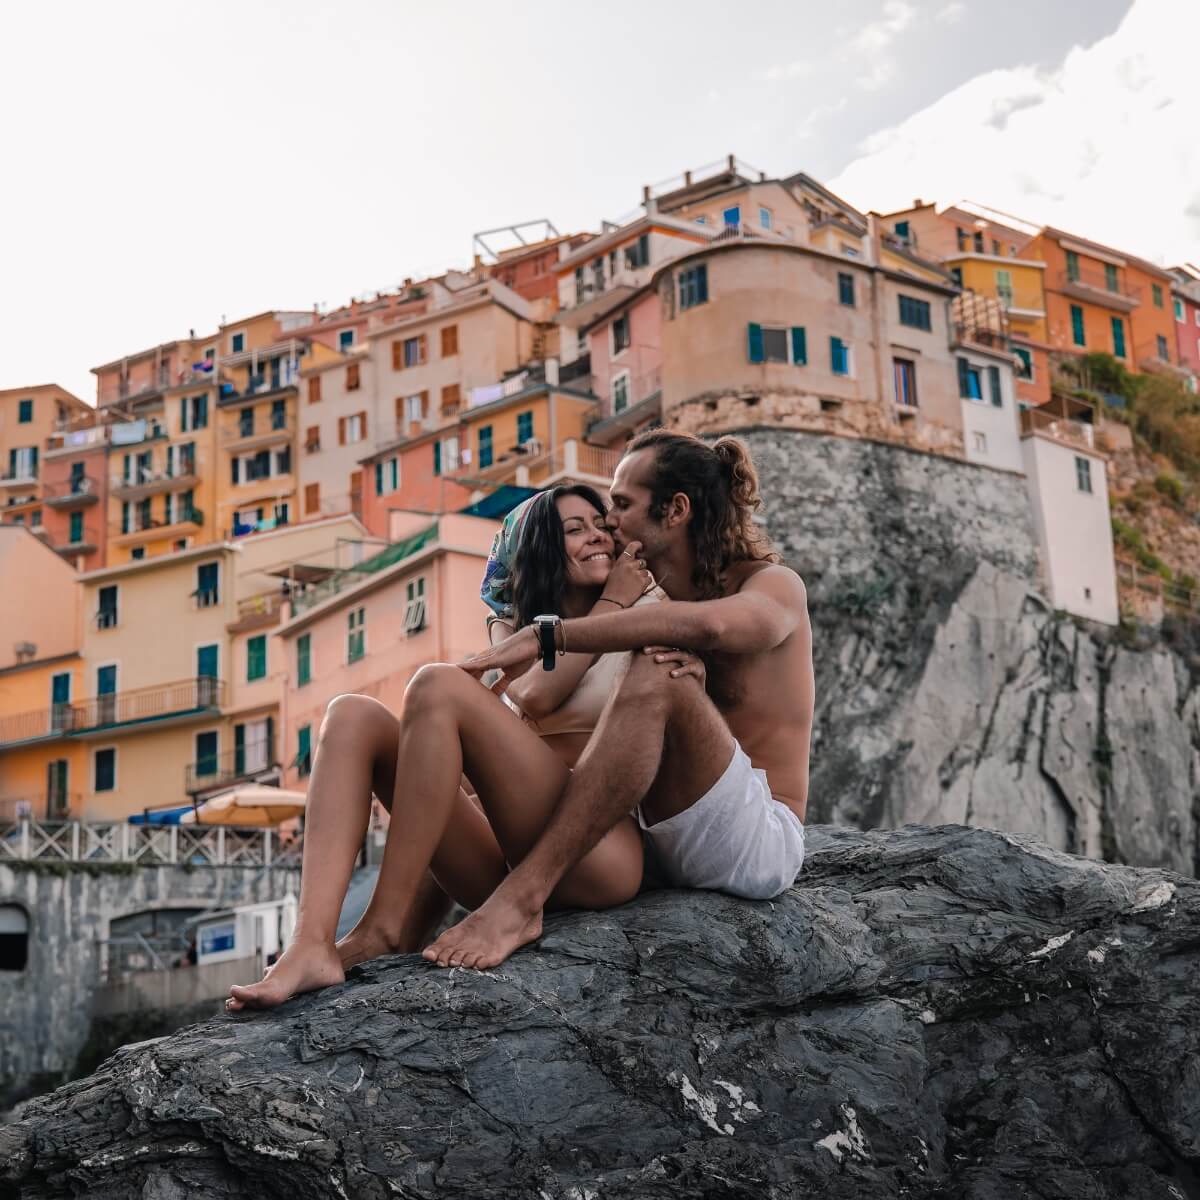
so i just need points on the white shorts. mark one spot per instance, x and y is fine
(736, 838)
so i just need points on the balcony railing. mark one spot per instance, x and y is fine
(192, 516)
(27, 476)
(1062, 429)
(89, 543)
(234, 766)
(571, 460)
(44, 806)
(1090, 284)
(144, 483)
(256, 612)
(71, 493)
(182, 698)
(147, 845)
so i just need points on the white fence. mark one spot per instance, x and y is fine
(146, 845)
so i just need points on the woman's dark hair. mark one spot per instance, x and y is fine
(721, 485)
(540, 564)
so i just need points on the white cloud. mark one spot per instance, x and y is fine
(872, 41)
(1104, 144)
(952, 13)
(792, 70)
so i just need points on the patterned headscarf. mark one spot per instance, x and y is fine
(496, 590)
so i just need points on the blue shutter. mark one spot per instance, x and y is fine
(799, 346)
(702, 284)
(755, 340)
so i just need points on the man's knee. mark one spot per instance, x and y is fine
(649, 685)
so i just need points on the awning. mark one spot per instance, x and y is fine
(162, 816)
(304, 573)
(251, 805)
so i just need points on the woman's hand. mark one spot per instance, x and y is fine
(510, 656)
(683, 662)
(629, 580)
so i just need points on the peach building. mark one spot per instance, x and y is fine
(369, 629)
(625, 352)
(1185, 300)
(28, 416)
(40, 675)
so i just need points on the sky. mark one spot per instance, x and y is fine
(166, 165)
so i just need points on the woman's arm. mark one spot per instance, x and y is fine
(539, 693)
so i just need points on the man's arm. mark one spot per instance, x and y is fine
(759, 617)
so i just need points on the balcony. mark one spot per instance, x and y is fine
(105, 715)
(1054, 420)
(240, 437)
(44, 806)
(149, 483)
(155, 525)
(71, 493)
(251, 761)
(128, 391)
(257, 612)
(1094, 287)
(573, 461)
(23, 477)
(88, 544)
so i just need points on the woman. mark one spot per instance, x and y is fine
(554, 553)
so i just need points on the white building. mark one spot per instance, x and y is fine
(991, 429)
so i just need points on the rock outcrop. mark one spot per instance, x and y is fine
(936, 1013)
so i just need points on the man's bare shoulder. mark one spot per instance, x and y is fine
(775, 579)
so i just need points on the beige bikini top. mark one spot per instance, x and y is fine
(580, 711)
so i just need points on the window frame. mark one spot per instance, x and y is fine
(848, 359)
(259, 641)
(304, 660)
(905, 368)
(914, 306)
(356, 634)
(846, 289)
(1083, 475)
(693, 286)
(619, 391)
(96, 752)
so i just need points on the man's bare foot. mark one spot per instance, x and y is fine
(486, 937)
(364, 942)
(302, 967)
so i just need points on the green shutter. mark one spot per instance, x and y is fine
(755, 339)
(964, 384)
(1118, 333)
(256, 658)
(379, 479)
(239, 749)
(994, 387)
(303, 659)
(799, 346)
(437, 458)
(1077, 325)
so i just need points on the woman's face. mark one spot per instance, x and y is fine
(589, 544)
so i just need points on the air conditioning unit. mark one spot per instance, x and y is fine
(24, 650)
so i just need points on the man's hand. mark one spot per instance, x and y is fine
(510, 656)
(683, 663)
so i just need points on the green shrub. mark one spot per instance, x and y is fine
(1169, 486)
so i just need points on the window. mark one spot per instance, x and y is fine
(638, 255)
(414, 409)
(345, 339)
(764, 217)
(994, 393)
(237, 343)
(961, 238)
(970, 382)
(1157, 292)
(352, 377)
(732, 216)
(312, 497)
(846, 289)
(693, 286)
(208, 590)
(24, 412)
(303, 659)
(979, 443)
(1163, 353)
(23, 462)
(1110, 278)
(1072, 266)
(620, 334)
(1083, 474)
(524, 426)
(839, 356)
(193, 413)
(246, 422)
(281, 513)
(996, 247)
(915, 313)
(905, 373)
(314, 389)
(76, 533)
(1004, 287)
(279, 412)
(312, 439)
(105, 770)
(1077, 326)
(138, 552)
(414, 607)
(447, 459)
(303, 762)
(408, 353)
(449, 341)
(977, 240)
(451, 399)
(956, 275)
(1178, 309)
(256, 658)
(106, 617)
(768, 344)
(356, 634)
(901, 228)
(14, 938)
(207, 759)
(35, 518)
(620, 392)
(1118, 336)
(702, 220)
(485, 446)
(387, 476)
(352, 429)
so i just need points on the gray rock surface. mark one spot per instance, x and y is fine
(930, 1013)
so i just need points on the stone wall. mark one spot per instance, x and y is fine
(45, 1010)
(948, 690)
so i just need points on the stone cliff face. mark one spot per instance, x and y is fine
(945, 1014)
(947, 689)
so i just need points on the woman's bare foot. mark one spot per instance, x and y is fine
(488, 936)
(302, 967)
(364, 942)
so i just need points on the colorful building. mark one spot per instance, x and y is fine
(1185, 305)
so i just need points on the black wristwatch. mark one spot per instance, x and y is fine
(546, 625)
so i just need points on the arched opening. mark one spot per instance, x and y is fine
(14, 938)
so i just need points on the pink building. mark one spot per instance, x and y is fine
(625, 346)
(1185, 298)
(368, 629)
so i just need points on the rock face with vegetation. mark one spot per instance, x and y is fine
(948, 690)
(930, 1013)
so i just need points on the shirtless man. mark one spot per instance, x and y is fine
(719, 781)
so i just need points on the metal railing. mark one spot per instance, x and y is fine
(191, 516)
(100, 842)
(1176, 596)
(196, 695)
(569, 460)
(1062, 429)
(263, 609)
(185, 474)
(1094, 284)
(220, 770)
(79, 490)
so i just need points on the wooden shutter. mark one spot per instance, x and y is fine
(422, 348)
(356, 493)
(398, 356)
(341, 431)
(451, 399)
(312, 497)
(799, 346)
(352, 377)
(314, 389)
(363, 418)
(424, 405)
(755, 343)
(312, 437)
(449, 341)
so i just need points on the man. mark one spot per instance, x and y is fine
(719, 780)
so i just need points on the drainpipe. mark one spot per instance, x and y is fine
(877, 317)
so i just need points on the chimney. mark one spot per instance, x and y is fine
(918, 203)
(733, 164)
(687, 179)
(645, 193)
